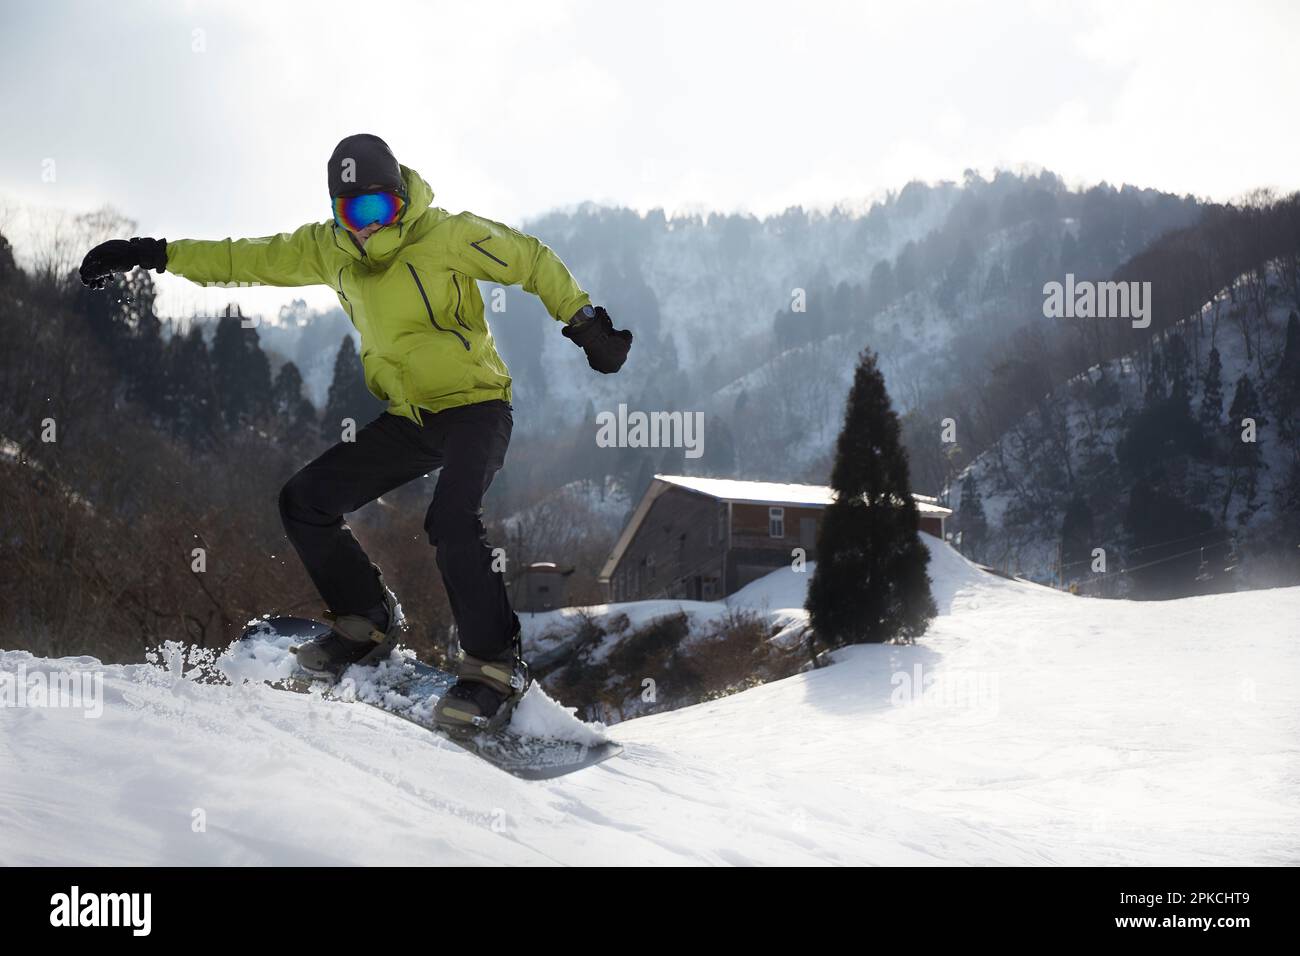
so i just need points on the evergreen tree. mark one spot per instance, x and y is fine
(632, 295)
(1155, 393)
(719, 456)
(971, 521)
(8, 267)
(870, 584)
(1286, 524)
(190, 390)
(291, 408)
(147, 366)
(1076, 539)
(1178, 368)
(996, 282)
(907, 269)
(1244, 460)
(880, 287)
(348, 395)
(1211, 410)
(956, 275)
(243, 373)
(1287, 378)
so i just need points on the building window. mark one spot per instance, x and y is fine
(722, 524)
(776, 522)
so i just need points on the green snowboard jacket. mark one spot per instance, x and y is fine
(425, 342)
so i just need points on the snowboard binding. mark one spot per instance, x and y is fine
(486, 692)
(360, 639)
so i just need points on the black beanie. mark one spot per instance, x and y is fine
(360, 162)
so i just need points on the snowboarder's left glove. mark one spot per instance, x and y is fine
(122, 255)
(593, 331)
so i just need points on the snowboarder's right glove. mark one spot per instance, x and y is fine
(122, 255)
(593, 331)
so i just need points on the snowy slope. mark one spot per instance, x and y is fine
(1095, 433)
(1055, 729)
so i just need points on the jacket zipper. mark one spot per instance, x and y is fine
(459, 320)
(346, 301)
(428, 308)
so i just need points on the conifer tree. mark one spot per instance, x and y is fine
(294, 413)
(1287, 379)
(191, 391)
(1211, 409)
(348, 395)
(242, 370)
(870, 583)
(1245, 459)
(971, 520)
(1076, 539)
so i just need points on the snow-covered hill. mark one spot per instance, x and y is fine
(1071, 444)
(1028, 727)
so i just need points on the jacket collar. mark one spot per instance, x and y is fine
(384, 244)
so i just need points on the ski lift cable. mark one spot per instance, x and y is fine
(1138, 567)
(1147, 547)
(1158, 544)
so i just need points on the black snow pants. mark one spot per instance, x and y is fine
(469, 444)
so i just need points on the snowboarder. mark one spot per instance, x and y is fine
(404, 273)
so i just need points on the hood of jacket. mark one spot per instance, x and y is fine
(385, 244)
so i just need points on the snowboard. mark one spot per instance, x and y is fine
(408, 689)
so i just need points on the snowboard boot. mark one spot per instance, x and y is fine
(485, 693)
(353, 639)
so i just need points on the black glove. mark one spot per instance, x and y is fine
(593, 331)
(122, 255)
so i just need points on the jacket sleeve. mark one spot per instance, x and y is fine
(288, 259)
(487, 250)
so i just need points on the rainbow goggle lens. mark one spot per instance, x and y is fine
(354, 213)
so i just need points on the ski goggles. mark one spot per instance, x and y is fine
(354, 213)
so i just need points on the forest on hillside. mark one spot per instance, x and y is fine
(137, 448)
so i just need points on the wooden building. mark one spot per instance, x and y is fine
(705, 538)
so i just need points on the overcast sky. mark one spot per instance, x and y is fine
(204, 119)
